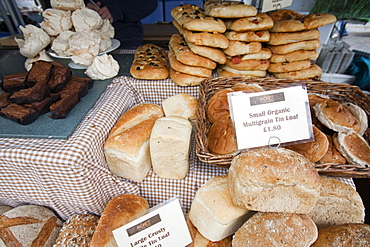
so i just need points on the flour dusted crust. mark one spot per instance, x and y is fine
(289, 66)
(229, 9)
(186, 56)
(192, 17)
(291, 21)
(150, 63)
(261, 21)
(182, 79)
(240, 48)
(250, 64)
(312, 72)
(217, 40)
(187, 69)
(226, 71)
(276, 229)
(288, 48)
(251, 36)
(294, 56)
(286, 38)
(215, 54)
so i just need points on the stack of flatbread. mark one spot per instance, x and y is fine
(197, 49)
(294, 40)
(246, 31)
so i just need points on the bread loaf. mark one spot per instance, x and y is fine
(77, 231)
(212, 211)
(4, 209)
(29, 225)
(119, 211)
(181, 105)
(276, 229)
(127, 146)
(344, 235)
(170, 147)
(338, 204)
(274, 180)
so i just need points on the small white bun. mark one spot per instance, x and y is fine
(181, 105)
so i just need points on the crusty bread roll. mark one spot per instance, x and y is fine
(276, 229)
(119, 211)
(338, 203)
(170, 147)
(315, 149)
(212, 211)
(77, 231)
(218, 105)
(29, 225)
(353, 147)
(345, 235)
(127, 146)
(336, 116)
(273, 180)
(200, 241)
(181, 105)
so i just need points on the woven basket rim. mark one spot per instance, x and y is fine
(338, 91)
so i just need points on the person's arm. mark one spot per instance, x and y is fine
(126, 10)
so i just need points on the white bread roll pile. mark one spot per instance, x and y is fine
(150, 136)
(294, 41)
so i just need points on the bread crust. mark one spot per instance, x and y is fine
(228, 9)
(261, 21)
(212, 53)
(218, 104)
(294, 56)
(227, 71)
(186, 56)
(241, 48)
(286, 38)
(274, 180)
(276, 229)
(312, 72)
(217, 40)
(332, 155)
(192, 17)
(184, 80)
(150, 63)
(288, 48)
(289, 66)
(250, 64)
(251, 36)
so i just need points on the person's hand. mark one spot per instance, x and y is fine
(102, 11)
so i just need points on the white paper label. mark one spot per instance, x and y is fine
(271, 118)
(162, 226)
(269, 5)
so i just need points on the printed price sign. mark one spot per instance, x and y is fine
(272, 117)
(162, 226)
(269, 5)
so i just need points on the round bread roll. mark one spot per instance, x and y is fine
(181, 105)
(353, 147)
(286, 38)
(276, 229)
(289, 66)
(315, 149)
(294, 56)
(332, 155)
(261, 21)
(213, 213)
(273, 180)
(296, 46)
(312, 72)
(251, 36)
(221, 136)
(218, 105)
(338, 203)
(336, 116)
(344, 235)
(240, 48)
(251, 64)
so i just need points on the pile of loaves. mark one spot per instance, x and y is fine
(236, 40)
(72, 31)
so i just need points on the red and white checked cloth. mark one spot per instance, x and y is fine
(71, 176)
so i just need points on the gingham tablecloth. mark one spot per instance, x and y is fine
(71, 176)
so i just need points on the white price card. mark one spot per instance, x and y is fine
(269, 5)
(163, 226)
(271, 118)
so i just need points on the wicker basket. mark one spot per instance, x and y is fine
(340, 92)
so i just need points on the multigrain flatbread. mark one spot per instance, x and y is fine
(291, 21)
(150, 63)
(259, 22)
(192, 17)
(186, 56)
(251, 36)
(286, 38)
(228, 9)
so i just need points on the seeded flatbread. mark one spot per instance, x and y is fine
(259, 22)
(228, 9)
